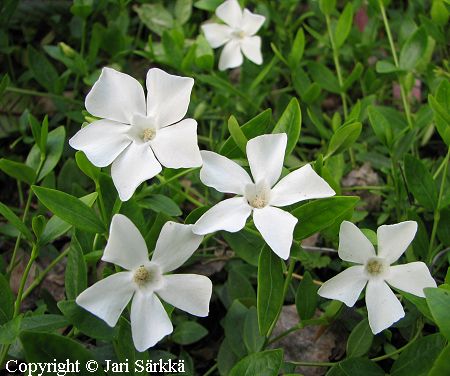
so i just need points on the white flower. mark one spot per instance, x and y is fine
(261, 196)
(376, 271)
(145, 281)
(135, 136)
(238, 35)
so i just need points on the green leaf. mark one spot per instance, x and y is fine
(86, 166)
(440, 103)
(384, 66)
(441, 365)
(253, 340)
(55, 145)
(413, 49)
(355, 75)
(85, 321)
(420, 182)
(188, 332)
(298, 47)
(4, 83)
(439, 302)
(324, 77)
(320, 214)
(161, 204)
(356, 367)
(266, 363)
(290, 123)
(360, 340)
(244, 243)
(69, 209)
(239, 287)
(49, 348)
(15, 221)
(381, 127)
(18, 171)
(418, 358)
(270, 288)
(183, 10)
(82, 8)
(76, 271)
(6, 301)
(343, 138)
(43, 323)
(233, 325)
(10, 331)
(344, 25)
(43, 71)
(155, 17)
(306, 297)
(327, 6)
(237, 134)
(209, 5)
(255, 127)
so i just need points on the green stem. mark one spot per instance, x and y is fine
(315, 364)
(394, 55)
(41, 94)
(211, 370)
(437, 210)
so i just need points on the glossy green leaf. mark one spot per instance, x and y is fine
(344, 137)
(360, 340)
(441, 365)
(380, 126)
(270, 288)
(439, 302)
(290, 123)
(15, 221)
(76, 271)
(155, 17)
(43, 70)
(253, 340)
(237, 134)
(327, 6)
(324, 77)
(70, 209)
(18, 171)
(306, 298)
(188, 332)
(161, 204)
(413, 49)
(298, 47)
(344, 25)
(266, 363)
(356, 367)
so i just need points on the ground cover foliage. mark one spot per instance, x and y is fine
(360, 88)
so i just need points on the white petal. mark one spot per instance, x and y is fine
(251, 48)
(412, 278)
(231, 56)
(383, 307)
(393, 240)
(251, 22)
(168, 96)
(266, 155)
(176, 146)
(299, 185)
(346, 286)
(126, 247)
(228, 215)
(116, 96)
(102, 141)
(223, 174)
(353, 244)
(276, 227)
(176, 243)
(136, 164)
(230, 12)
(188, 292)
(149, 321)
(216, 34)
(108, 298)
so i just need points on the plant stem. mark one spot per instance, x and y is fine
(394, 55)
(211, 370)
(437, 210)
(41, 94)
(315, 364)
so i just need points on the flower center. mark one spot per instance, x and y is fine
(257, 195)
(148, 134)
(376, 267)
(239, 34)
(142, 276)
(259, 202)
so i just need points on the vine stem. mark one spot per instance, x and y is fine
(394, 55)
(437, 213)
(41, 94)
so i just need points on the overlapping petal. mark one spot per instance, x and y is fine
(265, 156)
(229, 215)
(346, 286)
(251, 22)
(116, 96)
(393, 240)
(149, 321)
(231, 56)
(175, 244)
(412, 277)
(188, 292)
(353, 244)
(223, 174)
(126, 247)
(136, 164)
(230, 12)
(176, 146)
(299, 185)
(251, 48)
(277, 228)
(108, 298)
(217, 34)
(168, 96)
(383, 307)
(102, 141)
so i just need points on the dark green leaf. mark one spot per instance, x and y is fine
(324, 77)
(343, 138)
(306, 298)
(18, 171)
(413, 49)
(439, 302)
(360, 340)
(43, 71)
(253, 340)
(43, 323)
(6, 301)
(266, 363)
(155, 17)
(237, 134)
(356, 367)
(188, 332)
(161, 204)
(15, 221)
(290, 123)
(76, 271)
(441, 365)
(344, 25)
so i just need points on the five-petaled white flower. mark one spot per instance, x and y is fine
(131, 131)
(261, 196)
(376, 271)
(145, 281)
(238, 35)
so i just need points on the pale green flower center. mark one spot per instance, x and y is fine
(142, 276)
(375, 267)
(148, 134)
(240, 34)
